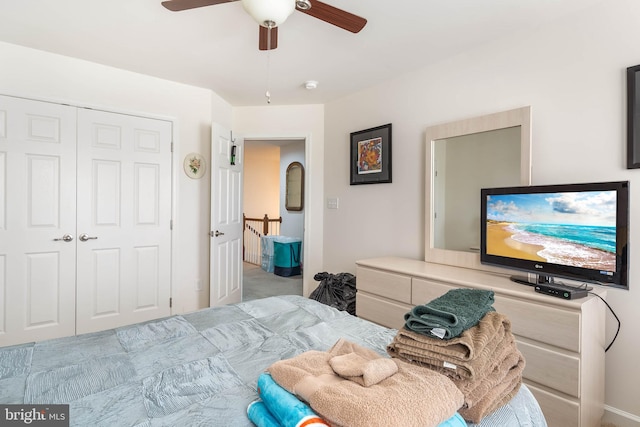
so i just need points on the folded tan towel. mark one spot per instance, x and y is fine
(364, 371)
(483, 362)
(464, 347)
(412, 396)
(509, 367)
(496, 396)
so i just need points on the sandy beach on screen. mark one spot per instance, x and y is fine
(500, 243)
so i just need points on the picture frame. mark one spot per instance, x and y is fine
(294, 187)
(371, 156)
(633, 117)
(194, 165)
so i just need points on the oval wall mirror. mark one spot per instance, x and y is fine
(294, 197)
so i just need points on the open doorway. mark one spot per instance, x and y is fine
(265, 166)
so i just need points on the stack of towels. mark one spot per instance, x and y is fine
(461, 336)
(353, 386)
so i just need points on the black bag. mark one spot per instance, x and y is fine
(336, 290)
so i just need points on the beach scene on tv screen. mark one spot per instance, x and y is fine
(570, 228)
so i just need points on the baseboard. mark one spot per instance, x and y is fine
(616, 418)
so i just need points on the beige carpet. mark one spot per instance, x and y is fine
(258, 283)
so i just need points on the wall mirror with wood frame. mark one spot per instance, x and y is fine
(294, 188)
(462, 157)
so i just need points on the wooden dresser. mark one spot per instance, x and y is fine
(561, 340)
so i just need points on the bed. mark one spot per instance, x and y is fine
(193, 369)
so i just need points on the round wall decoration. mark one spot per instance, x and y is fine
(194, 165)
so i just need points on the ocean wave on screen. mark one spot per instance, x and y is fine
(558, 251)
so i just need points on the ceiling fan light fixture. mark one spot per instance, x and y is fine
(303, 4)
(269, 13)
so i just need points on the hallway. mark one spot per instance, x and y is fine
(258, 283)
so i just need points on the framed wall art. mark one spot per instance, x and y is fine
(633, 117)
(371, 155)
(194, 165)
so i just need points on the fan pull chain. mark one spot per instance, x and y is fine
(267, 93)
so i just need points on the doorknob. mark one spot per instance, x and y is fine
(84, 237)
(216, 233)
(66, 238)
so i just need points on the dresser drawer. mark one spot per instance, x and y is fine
(423, 291)
(381, 311)
(558, 411)
(550, 368)
(389, 285)
(547, 324)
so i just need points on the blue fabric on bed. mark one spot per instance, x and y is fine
(259, 414)
(179, 387)
(142, 335)
(287, 409)
(68, 383)
(455, 421)
(186, 370)
(15, 361)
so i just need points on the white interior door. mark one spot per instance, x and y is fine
(124, 214)
(226, 217)
(37, 208)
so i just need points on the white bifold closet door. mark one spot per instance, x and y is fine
(123, 224)
(37, 209)
(85, 206)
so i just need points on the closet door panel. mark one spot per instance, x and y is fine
(106, 292)
(42, 287)
(3, 190)
(124, 208)
(106, 197)
(37, 211)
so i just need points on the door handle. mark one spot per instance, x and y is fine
(66, 238)
(84, 237)
(216, 233)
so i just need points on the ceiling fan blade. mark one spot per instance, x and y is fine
(178, 5)
(263, 43)
(333, 15)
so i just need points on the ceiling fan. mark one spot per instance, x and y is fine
(271, 13)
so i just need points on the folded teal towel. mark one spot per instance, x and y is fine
(287, 409)
(451, 314)
(455, 421)
(260, 415)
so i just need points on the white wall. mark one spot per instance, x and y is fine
(261, 191)
(572, 73)
(296, 122)
(41, 75)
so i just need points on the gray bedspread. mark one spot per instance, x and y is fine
(197, 369)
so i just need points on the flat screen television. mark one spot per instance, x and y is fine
(574, 231)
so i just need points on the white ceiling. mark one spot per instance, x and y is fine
(216, 47)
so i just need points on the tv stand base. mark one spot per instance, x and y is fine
(523, 280)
